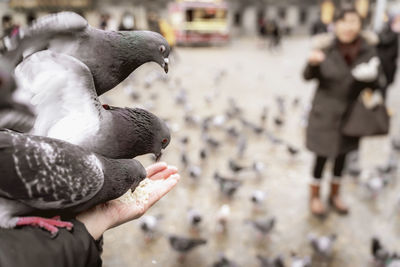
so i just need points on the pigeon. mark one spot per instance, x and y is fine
(134, 94)
(191, 119)
(279, 121)
(273, 139)
(203, 154)
(241, 146)
(390, 167)
(236, 167)
(300, 262)
(258, 167)
(68, 109)
(280, 101)
(292, 150)
(181, 97)
(396, 144)
(222, 218)
(148, 224)
(110, 56)
(211, 141)
(233, 110)
(223, 261)
(227, 186)
(194, 217)
(232, 132)
(183, 244)
(296, 102)
(264, 116)
(195, 171)
(322, 245)
(375, 185)
(255, 128)
(45, 174)
(258, 197)
(263, 226)
(267, 262)
(382, 256)
(184, 159)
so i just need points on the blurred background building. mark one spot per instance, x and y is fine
(242, 17)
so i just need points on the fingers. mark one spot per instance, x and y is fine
(167, 186)
(170, 170)
(155, 168)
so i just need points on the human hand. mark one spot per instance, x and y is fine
(316, 57)
(161, 179)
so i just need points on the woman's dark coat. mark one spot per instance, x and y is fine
(337, 90)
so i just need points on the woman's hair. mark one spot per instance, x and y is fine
(341, 12)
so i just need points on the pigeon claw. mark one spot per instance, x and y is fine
(50, 225)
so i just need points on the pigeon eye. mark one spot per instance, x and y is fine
(106, 107)
(164, 141)
(162, 49)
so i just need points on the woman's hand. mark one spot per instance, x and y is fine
(316, 58)
(115, 212)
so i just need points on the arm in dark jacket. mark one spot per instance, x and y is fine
(33, 247)
(311, 72)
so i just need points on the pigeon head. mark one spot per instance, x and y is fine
(150, 47)
(160, 49)
(145, 132)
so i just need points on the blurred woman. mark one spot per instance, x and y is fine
(332, 64)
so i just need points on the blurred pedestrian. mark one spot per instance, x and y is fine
(318, 27)
(388, 47)
(10, 33)
(275, 34)
(104, 18)
(332, 63)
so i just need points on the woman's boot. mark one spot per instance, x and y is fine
(316, 206)
(334, 198)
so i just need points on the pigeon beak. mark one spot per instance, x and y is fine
(158, 156)
(166, 61)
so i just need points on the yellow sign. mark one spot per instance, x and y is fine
(327, 11)
(362, 7)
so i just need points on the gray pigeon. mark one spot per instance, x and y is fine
(322, 245)
(149, 224)
(382, 256)
(267, 262)
(68, 109)
(227, 186)
(263, 226)
(183, 244)
(194, 217)
(111, 56)
(44, 174)
(223, 261)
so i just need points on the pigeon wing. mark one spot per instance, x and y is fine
(61, 89)
(46, 173)
(45, 29)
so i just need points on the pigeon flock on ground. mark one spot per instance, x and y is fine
(70, 152)
(201, 139)
(53, 124)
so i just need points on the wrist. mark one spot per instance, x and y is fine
(94, 225)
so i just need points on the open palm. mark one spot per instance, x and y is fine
(116, 212)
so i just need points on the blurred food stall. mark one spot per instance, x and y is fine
(200, 22)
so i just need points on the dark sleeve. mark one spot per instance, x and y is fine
(31, 247)
(311, 72)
